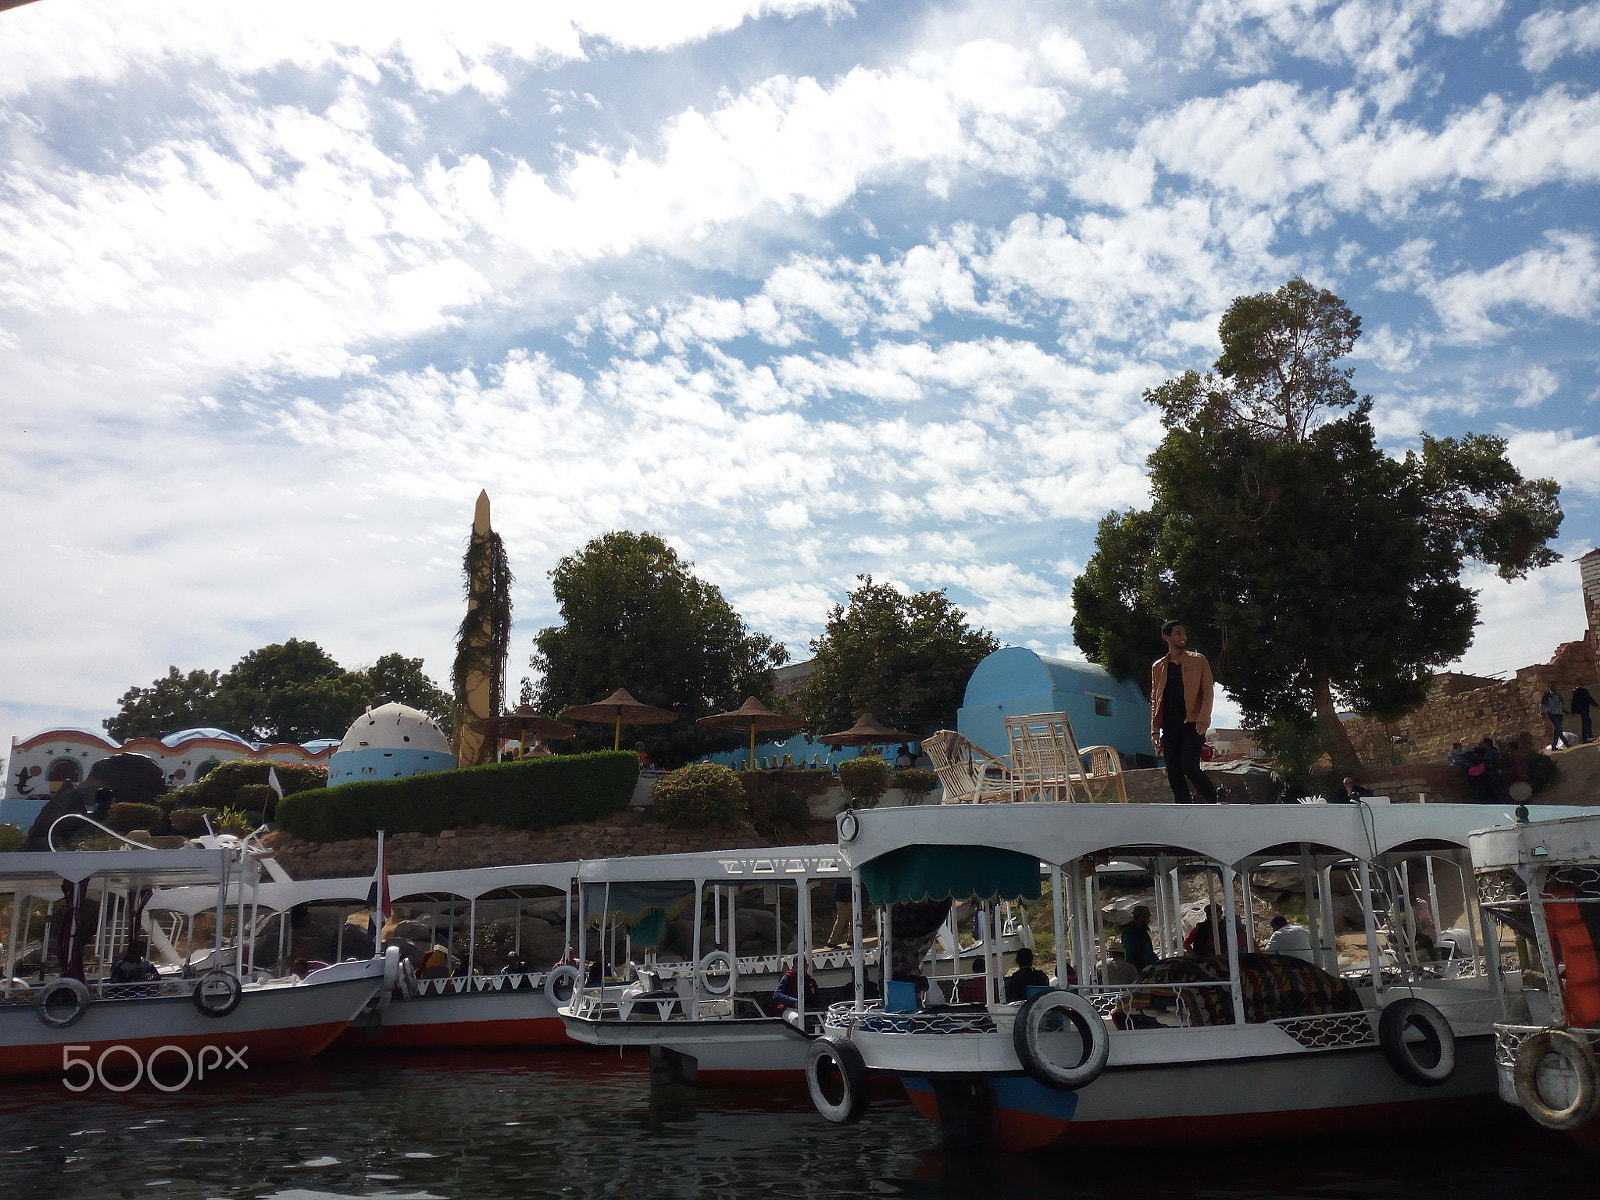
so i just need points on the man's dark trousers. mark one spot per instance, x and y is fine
(1181, 748)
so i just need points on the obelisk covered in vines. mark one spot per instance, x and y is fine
(484, 639)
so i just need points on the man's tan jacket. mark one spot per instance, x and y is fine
(1197, 688)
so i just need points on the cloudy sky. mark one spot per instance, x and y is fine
(810, 287)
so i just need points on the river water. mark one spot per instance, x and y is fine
(587, 1124)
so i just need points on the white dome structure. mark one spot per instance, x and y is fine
(390, 742)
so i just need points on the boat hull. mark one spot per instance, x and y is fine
(758, 1052)
(274, 1023)
(1211, 1102)
(468, 1019)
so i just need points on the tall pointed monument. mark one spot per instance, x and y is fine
(484, 639)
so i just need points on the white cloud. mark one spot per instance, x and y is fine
(1551, 34)
(1560, 278)
(1534, 385)
(1570, 459)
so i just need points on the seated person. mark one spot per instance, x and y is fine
(1137, 948)
(1118, 970)
(1024, 977)
(1205, 939)
(787, 995)
(514, 966)
(1350, 791)
(1289, 939)
(133, 967)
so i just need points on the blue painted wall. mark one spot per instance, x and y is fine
(798, 746)
(352, 766)
(1016, 681)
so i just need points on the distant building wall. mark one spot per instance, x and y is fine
(1016, 681)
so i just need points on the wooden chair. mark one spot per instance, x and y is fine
(969, 774)
(1051, 766)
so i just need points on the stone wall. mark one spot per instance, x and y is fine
(1506, 711)
(487, 846)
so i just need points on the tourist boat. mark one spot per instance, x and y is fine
(1542, 881)
(200, 1013)
(1360, 1031)
(698, 993)
(484, 920)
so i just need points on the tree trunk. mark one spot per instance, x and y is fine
(1335, 740)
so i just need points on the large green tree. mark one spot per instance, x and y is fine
(634, 615)
(179, 700)
(904, 657)
(1316, 570)
(293, 692)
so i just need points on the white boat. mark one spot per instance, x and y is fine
(1542, 880)
(1237, 1046)
(217, 1015)
(705, 1009)
(474, 1003)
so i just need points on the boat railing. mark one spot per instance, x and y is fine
(870, 1017)
(1508, 1040)
(1129, 1005)
(621, 1002)
(1331, 1031)
(466, 985)
(767, 964)
(21, 995)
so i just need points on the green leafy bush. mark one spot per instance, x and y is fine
(865, 780)
(191, 822)
(915, 782)
(125, 817)
(538, 793)
(699, 795)
(1542, 770)
(12, 837)
(255, 797)
(223, 784)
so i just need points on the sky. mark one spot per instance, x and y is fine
(811, 288)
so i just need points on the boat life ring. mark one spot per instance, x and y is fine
(1417, 1041)
(703, 972)
(50, 1000)
(408, 979)
(836, 1077)
(1576, 1057)
(216, 994)
(565, 975)
(1051, 1018)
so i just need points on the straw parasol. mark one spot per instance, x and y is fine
(867, 731)
(520, 724)
(623, 709)
(752, 715)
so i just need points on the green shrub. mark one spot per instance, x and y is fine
(538, 793)
(191, 822)
(223, 784)
(1542, 770)
(699, 795)
(13, 837)
(125, 817)
(865, 780)
(915, 782)
(255, 797)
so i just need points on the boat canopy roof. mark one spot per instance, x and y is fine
(914, 873)
(766, 865)
(41, 872)
(525, 880)
(1572, 841)
(1059, 834)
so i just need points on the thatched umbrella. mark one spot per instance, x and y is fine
(520, 724)
(867, 731)
(623, 709)
(753, 715)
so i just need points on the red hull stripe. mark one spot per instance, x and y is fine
(264, 1045)
(1016, 1130)
(539, 1031)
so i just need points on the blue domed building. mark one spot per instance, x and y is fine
(1016, 681)
(390, 742)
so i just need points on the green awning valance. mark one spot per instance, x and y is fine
(950, 873)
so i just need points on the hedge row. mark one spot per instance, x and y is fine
(538, 793)
(223, 785)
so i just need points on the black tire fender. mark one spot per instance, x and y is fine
(216, 994)
(844, 1104)
(1438, 1042)
(52, 992)
(1577, 1055)
(1084, 1017)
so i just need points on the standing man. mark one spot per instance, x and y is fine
(1180, 712)
(1582, 703)
(1554, 710)
(1138, 951)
